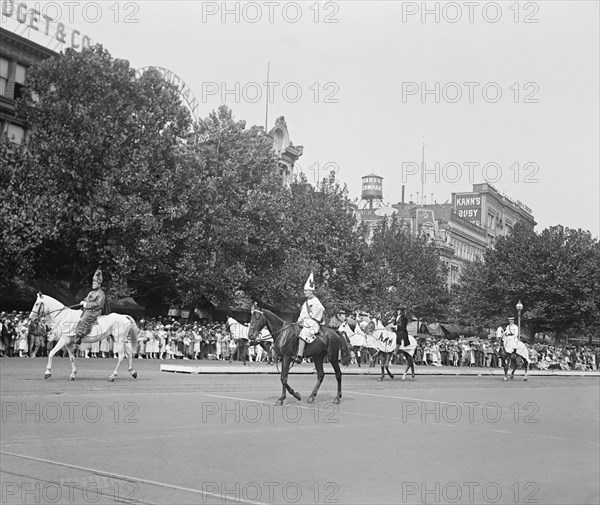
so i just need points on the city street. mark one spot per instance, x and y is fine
(218, 438)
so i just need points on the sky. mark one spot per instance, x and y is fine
(498, 92)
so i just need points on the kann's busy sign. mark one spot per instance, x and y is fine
(468, 206)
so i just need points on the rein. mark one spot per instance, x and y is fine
(51, 312)
(285, 325)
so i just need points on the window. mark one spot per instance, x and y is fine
(15, 133)
(3, 76)
(491, 221)
(20, 72)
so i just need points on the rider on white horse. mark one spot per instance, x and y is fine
(92, 307)
(511, 336)
(511, 340)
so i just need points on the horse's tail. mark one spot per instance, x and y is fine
(134, 330)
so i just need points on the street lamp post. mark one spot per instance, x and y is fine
(519, 309)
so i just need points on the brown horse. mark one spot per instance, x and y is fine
(329, 343)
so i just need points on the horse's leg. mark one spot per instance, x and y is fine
(285, 367)
(526, 369)
(320, 376)
(505, 367)
(387, 367)
(129, 350)
(288, 387)
(71, 352)
(118, 349)
(382, 362)
(372, 360)
(338, 375)
(62, 341)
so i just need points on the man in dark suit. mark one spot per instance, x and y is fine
(401, 322)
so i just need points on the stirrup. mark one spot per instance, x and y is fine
(298, 360)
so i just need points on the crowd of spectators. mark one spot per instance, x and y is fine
(158, 339)
(484, 353)
(163, 338)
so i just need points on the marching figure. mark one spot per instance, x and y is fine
(92, 307)
(311, 317)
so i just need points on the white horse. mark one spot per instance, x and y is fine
(63, 322)
(385, 341)
(508, 344)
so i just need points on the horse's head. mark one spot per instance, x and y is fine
(38, 310)
(257, 322)
(369, 327)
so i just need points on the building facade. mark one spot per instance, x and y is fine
(17, 56)
(491, 210)
(287, 152)
(461, 230)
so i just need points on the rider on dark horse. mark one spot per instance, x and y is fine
(311, 317)
(92, 307)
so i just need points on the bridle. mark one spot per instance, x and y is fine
(284, 327)
(38, 316)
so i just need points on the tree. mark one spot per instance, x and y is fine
(104, 165)
(556, 275)
(402, 269)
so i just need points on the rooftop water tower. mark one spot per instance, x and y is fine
(372, 192)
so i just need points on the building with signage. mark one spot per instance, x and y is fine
(461, 230)
(491, 210)
(17, 55)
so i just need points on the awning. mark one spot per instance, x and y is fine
(126, 306)
(435, 329)
(451, 329)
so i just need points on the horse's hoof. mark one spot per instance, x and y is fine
(404, 377)
(504, 380)
(279, 402)
(134, 375)
(311, 399)
(111, 379)
(71, 378)
(512, 377)
(525, 379)
(336, 401)
(380, 379)
(391, 375)
(47, 376)
(412, 379)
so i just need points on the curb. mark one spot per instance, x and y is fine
(265, 369)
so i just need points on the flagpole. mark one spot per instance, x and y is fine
(423, 174)
(267, 105)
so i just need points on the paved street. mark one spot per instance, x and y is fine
(218, 438)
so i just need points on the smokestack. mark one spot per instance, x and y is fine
(403, 195)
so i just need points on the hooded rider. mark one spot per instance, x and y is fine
(92, 307)
(311, 317)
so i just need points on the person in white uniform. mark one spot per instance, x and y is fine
(311, 317)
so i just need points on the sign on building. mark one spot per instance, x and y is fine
(468, 206)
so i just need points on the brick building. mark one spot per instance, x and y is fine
(461, 230)
(17, 56)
